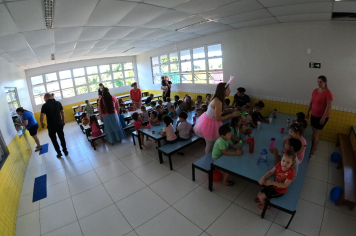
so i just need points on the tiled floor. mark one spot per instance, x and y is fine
(122, 190)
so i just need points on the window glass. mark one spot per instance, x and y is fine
(215, 64)
(175, 67)
(175, 78)
(216, 77)
(129, 73)
(214, 50)
(93, 79)
(155, 61)
(164, 69)
(57, 95)
(92, 70)
(65, 74)
(199, 65)
(130, 81)
(156, 70)
(51, 77)
(119, 83)
(200, 78)
(185, 55)
(52, 86)
(116, 67)
(68, 83)
(108, 85)
(93, 87)
(186, 66)
(67, 93)
(118, 75)
(39, 90)
(187, 78)
(164, 59)
(128, 66)
(80, 81)
(82, 90)
(104, 68)
(173, 57)
(105, 77)
(37, 80)
(39, 99)
(198, 53)
(78, 72)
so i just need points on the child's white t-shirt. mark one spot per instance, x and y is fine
(170, 132)
(184, 129)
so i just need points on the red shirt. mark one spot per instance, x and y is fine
(281, 176)
(137, 124)
(319, 102)
(135, 95)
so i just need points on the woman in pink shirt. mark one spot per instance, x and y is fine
(320, 105)
(136, 96)
(108, 107)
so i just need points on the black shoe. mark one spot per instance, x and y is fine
(59, 155)
(66, 153)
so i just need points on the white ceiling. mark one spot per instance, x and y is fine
(86, 29)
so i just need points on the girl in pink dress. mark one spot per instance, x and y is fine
(95, 128)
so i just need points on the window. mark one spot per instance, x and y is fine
(201, 65)
(12, 99)
(78, 81)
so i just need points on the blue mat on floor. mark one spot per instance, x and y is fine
(40, 188)
(44, 148)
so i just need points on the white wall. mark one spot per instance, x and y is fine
(11, 76)
(77, 64)
(272, 60)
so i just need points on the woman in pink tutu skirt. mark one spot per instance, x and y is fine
(208, 124)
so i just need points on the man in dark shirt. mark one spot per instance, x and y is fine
(55, 122)
(240, 98)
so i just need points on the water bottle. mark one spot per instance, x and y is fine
(288, 122)
(271, 145)
(252, 147)
(240, 144)
(275, 113)
(270, 119)
(259, 125)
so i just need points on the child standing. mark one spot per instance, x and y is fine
(122, 118)
(164, 86)
(235, 124)
(154, 119)
(169, 104)
(284, 176)
(176, 99)
(220, 148)
(138, 125)
(199, 102)
(183, 127)
(144, 114)
(95, 128)
(168, 131)
(208, 99)
(256, 114)
(89, 108)
(172, 112)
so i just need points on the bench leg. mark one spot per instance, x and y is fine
(291, 219)
(211, 171)
(133, 139)
(160, 157)
(139, 139)
(351, 206)
(92, 144)
(170, 161)
(193, 172)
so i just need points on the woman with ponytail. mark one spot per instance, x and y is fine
(108, 108)
(31, 124)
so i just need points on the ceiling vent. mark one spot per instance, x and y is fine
(343, 16)
(48, 10)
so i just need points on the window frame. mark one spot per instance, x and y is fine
(12, 89)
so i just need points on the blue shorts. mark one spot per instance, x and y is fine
(33, 130)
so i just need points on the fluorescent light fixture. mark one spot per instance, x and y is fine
(48, 10)
(128, 49)
(198, 23)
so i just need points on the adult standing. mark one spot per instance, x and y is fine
(208, 124)
(320, 104)
(136, 96)
(100, 90)
(55, 123)
(31, 124)
(240, 98)
(109, 107)
(169, 84)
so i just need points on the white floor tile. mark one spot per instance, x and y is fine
(56, 177)
(178, 160)
(204, 234)
(186, 170)
(52, 166)
(331, 205)
(26, 205)
(28, 225)
(321, 156)
(125, 151)
(246, 200)
(91, 201)
(277, 230)
(336, 176)
(141, 207)
(132, 233)
(202, 207)
(72, 229)
(323, 146)
(27, 187)
(33, 173)
(102, 159)
(230, 193)
(169, 222)
(137, 159)
(151, 172)
(74, 157)
(34, 161)
(308, 214)
(111, 170)
(173, 187)
(123, 186)
(318, 171)
(78, 168)
(83, 182)
(238, 221)
(314, 191)
(336, 223)
(57, 215)
(108, 221)
(55, 193)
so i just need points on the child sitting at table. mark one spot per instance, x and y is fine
(184, 128)
(85, 119)
(144, 114)
(235, 125)
(122, 118)
(138, 124)
(168, 130)
(88, 108)
(160, 102)
(208, 99)
(149, 99)
(284, 175)
(300, 119)
(246, 121)
(122, 107)
(200, 112)
(256, 114)
(95, 128)
(180, 107)
(176, 99)
(296, 131)
(172, 112)
(121, 101)
(160, 112)
(204, 107)
(154, 119)
(199, 102)
(153, 105)
(168, 104)
(220, 149)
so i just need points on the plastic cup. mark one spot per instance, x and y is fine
(282, 130)
(194, 118)
(149, 126)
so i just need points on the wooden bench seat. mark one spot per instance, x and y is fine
(203, 164)
(169, 149)
(348, 164)
(92, 139)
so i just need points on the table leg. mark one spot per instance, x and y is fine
(193, 172)
(133, 139)
(160, 157)
(159, 143)
(139, 139)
